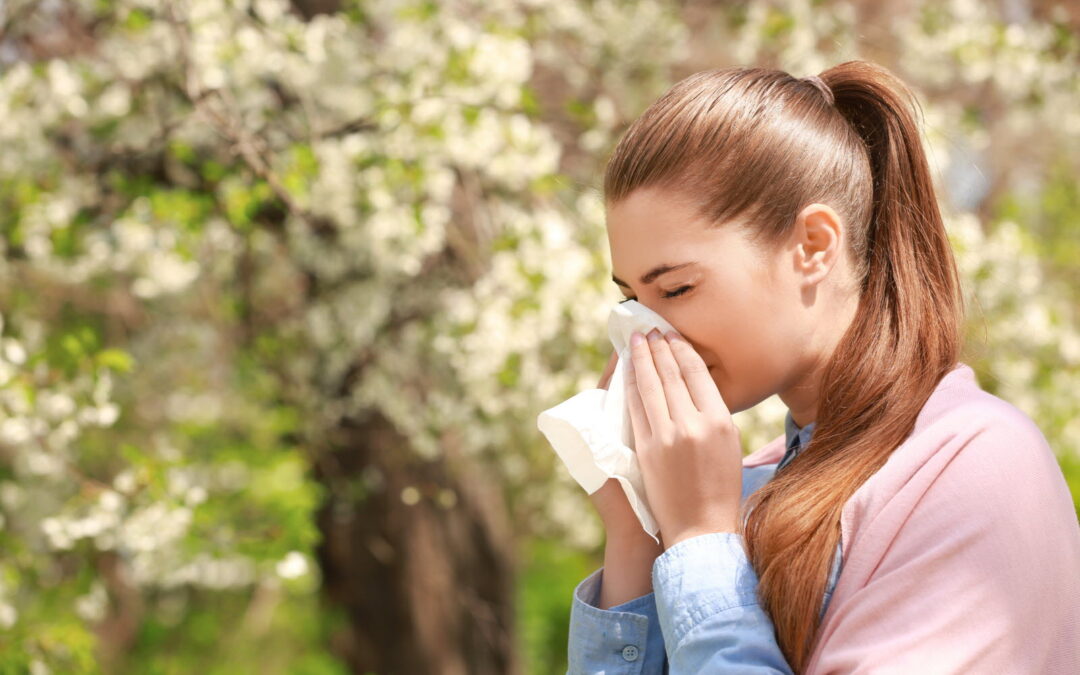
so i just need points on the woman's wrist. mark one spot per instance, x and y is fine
(614, 507)
(628, 531)
(629, 555)
(633, 543)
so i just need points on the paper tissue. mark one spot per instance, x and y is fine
(591, 431)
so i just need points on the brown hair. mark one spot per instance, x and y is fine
(759, 145)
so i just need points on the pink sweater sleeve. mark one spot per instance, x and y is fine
(970, 563)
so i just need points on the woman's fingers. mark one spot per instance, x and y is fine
(695, 373)
(679, 403)
(649, 386)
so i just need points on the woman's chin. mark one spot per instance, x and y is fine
(721, 385)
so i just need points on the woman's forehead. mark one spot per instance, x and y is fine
(651, 229)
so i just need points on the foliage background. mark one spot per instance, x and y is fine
(231, 226)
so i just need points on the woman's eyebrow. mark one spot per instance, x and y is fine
(651, 275)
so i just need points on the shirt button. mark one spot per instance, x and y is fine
(630, 652)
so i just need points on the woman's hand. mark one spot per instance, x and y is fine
(629, 551)
(609, 370)
(686, 442)
(610, 500)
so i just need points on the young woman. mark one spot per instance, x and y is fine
(908, 521)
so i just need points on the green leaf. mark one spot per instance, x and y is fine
(115, 359)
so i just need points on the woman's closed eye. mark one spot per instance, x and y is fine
(675, 293)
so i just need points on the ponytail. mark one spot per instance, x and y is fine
(905, 337)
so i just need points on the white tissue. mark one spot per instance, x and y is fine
(591, 431)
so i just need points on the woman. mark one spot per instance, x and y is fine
(908, 521)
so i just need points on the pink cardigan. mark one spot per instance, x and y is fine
(962, 551)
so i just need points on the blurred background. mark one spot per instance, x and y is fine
(285, 285)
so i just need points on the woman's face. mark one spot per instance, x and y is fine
(750, 315)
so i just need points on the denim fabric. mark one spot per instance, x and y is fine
(703, 614)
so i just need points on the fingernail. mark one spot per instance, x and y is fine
(654, 335)
(671, 336)
(636, 339)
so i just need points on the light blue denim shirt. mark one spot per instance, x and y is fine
(703, 613)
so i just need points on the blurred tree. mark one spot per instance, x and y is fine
(344, 217)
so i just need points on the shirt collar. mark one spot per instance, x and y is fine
(795, 431)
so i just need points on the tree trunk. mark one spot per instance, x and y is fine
(426, 587)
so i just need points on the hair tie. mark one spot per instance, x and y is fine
(822, 87)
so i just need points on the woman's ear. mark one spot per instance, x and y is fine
(819, 241)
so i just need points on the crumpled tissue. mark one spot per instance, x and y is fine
(592, 432)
